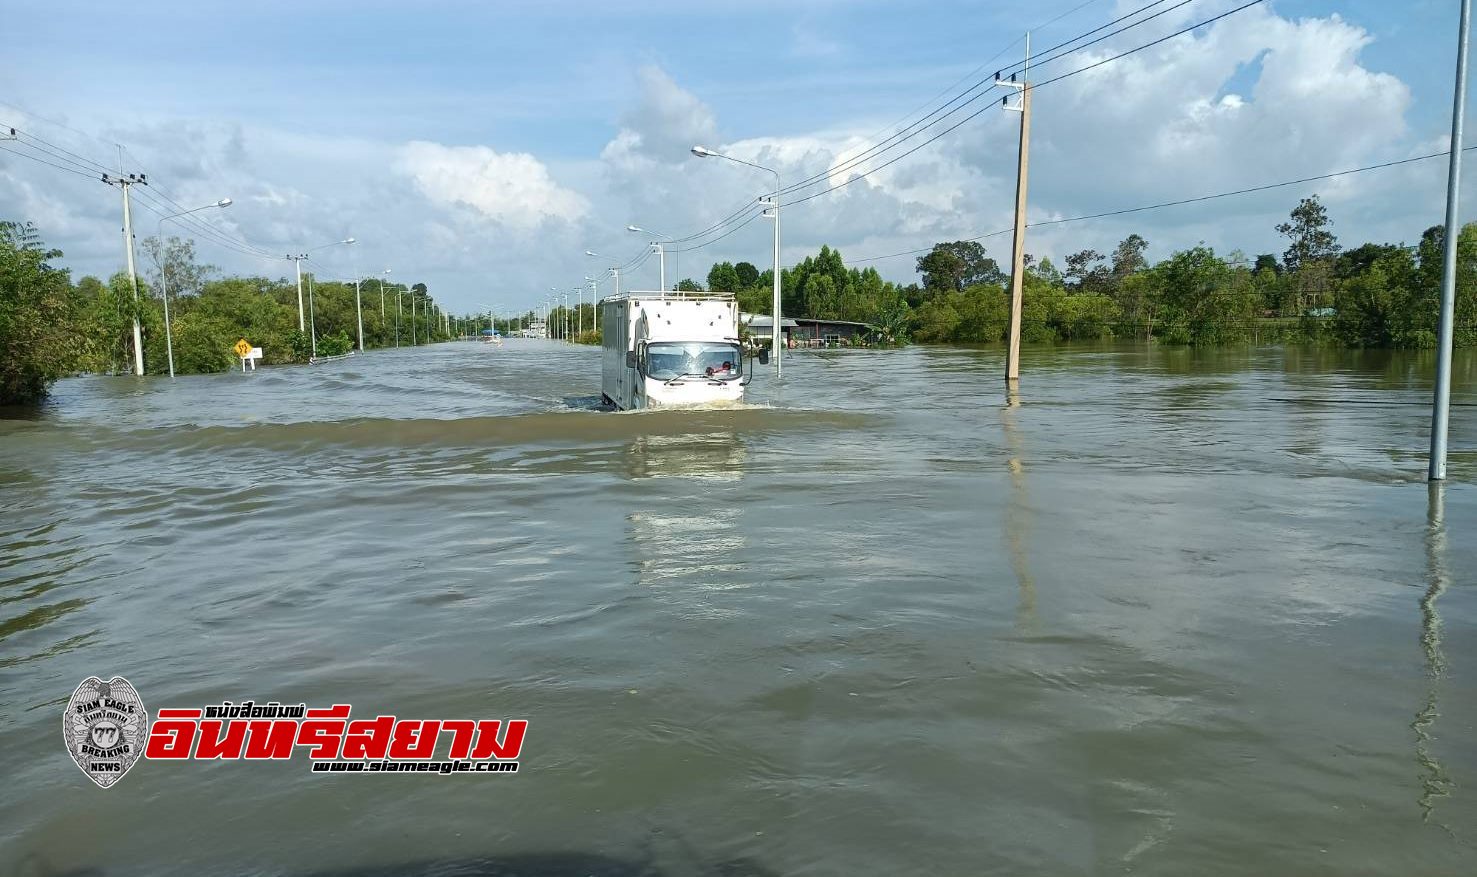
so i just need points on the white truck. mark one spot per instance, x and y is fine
(671, 350)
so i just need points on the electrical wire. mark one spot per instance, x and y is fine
(976, 113)
(1182, 201)
(905, 134)
(62, 167)
(914, 129)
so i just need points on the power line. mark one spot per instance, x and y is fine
(918, 127)
(1182, 201)
(913, 129)
(976, 113)
(159, 204)
(72, 170)
(1149, 45)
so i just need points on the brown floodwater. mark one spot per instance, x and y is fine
(1175, 612)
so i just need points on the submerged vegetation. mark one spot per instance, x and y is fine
(51, 327)
(1374, 295)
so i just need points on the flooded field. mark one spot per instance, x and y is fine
(1176, 612)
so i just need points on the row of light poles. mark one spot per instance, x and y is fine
(305, 321)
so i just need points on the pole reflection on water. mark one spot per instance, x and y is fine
(690, 538)
(1435, 782)
(1018, 513)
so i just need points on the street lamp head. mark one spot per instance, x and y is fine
(702, 151)
(589, 253)
(634, 228)
(224, 202)
(347, 241)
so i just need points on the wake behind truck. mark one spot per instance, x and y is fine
(671, 350)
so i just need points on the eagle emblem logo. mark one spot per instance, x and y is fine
(105, 727)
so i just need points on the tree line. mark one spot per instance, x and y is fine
(51, 327)
(1374, 295)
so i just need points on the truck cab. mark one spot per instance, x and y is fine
(671, 350)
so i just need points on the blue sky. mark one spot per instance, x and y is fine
(482, 147)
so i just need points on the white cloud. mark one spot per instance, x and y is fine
(1254, 98)
(514, 189)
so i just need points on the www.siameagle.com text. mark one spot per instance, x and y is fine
(442, 767)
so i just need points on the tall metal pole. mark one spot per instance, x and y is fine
(138, 335)
(595, 301)
(298, 260)
(359, 311)
(775, 331)
(661, 260)
(399, 309)
(312, 319)
(412, 318)
(164, 272)
(1018, 255)
(1442, 405)
(164, 290)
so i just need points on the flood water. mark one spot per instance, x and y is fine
(1176, 612)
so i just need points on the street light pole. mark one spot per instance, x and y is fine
(661, 253)
(595, 286)
(594, 300)
(299, 259)
(164, 272)
(1441, 409)
(774, 204)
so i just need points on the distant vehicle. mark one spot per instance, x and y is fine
(491, 336)
(671, 350)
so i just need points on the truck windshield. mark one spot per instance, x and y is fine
(668, 360)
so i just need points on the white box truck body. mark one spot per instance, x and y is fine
(671, 350)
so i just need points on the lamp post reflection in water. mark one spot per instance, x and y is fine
(688, 543)
(1433, 777)
(1018, 513)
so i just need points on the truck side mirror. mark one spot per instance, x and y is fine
(764, 356)
(630, 359)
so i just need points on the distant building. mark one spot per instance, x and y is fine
(761, 327)
(807, 332)
(830, 333)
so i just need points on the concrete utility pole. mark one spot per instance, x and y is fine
(312, 320)
(302, 325)
(1018, 254)
(1442, 405)
(124, 184)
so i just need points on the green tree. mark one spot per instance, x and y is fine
(724, 278)
(38, 341)
(1310, 251)
(748, 275)
(953, 266)
(1128, 257)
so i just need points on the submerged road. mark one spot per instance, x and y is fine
(1178, 612)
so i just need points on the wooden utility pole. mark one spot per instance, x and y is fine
(1018, 256)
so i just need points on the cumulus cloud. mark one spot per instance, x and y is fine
(514, 189)
(1254, 98)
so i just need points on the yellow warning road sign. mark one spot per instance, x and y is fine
(243, 348)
